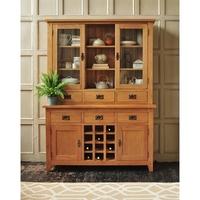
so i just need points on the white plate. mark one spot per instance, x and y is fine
(128, 42)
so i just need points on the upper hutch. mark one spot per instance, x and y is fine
(106, 117)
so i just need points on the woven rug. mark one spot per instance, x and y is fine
(99, 191)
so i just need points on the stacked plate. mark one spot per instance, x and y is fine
(127, 42)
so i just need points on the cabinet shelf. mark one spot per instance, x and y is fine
(88, 133)
(64, 69)
(69, 47)
(109, 69)
(100, 46)
(130, 69)
(107, 151)
(88, 151)
(131, 46)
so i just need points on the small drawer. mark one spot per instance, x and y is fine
(99, 97)
(96, 117)
(130, 97)
(57, 117)
(141, 117)
(73, 97)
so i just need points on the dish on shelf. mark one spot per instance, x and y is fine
(98, 42)
(138, 64)
(128, 42)
(70, 80)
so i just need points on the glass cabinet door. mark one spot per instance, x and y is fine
(69, 55)
(131, 56)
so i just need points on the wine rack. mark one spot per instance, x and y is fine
(99, 142)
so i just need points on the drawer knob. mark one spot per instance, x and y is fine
(132, 117)
(132, 96)
(65, 117)
(99, 117)
(68, 96)
(99, 96)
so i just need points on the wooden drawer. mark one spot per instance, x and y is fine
(73, 97)
(96, 117)
(130, 97)
(60, 117)
(141, 117)
(99, 97)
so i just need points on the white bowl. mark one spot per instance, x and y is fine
(70, 80)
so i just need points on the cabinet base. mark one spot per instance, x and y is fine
(50, 167)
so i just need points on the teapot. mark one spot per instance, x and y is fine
(100, 58)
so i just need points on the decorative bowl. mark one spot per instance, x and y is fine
(70, 80)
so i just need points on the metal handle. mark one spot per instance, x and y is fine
(132, 117)
(119, 142)
(117, 56)
(78, 143)
(132, 96)
(68, 96)
(65, 117)
(99, 117)
(82, 56)
(99, 96)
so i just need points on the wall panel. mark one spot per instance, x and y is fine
(171, 7)
(171, 138)
(171, 34)
(125, 7)
(27, 139)
(98, 7)
(149, 7)
(26, 7)
(156, 138)
(26, 35)
(171, 101)
(26, 104)
(42, 139)
(73, 7)
(42, 35)
(171, 69)
(47, 7)
(156, 69)
(26, 70)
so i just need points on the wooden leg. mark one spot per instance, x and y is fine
(150, 167)
(48, 167)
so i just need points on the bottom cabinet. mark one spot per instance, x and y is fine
(66, 143)
(132, 143)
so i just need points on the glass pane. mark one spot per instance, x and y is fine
(131, 56)
(68, 58)
(100, 56)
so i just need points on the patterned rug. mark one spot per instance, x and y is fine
(99, 191)
(36, 172)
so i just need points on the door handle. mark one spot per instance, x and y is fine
(82, 56)
(78, 143)
(117, 56)
(65, 117)
(119, 142)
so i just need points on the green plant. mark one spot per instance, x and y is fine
(51, 85)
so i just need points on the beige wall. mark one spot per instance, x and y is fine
(166, 64)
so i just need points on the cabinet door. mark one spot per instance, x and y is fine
(66, 142)
(68, 53)
(132, 143)
(131, 55)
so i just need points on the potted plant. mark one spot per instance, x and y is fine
(52, 87)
